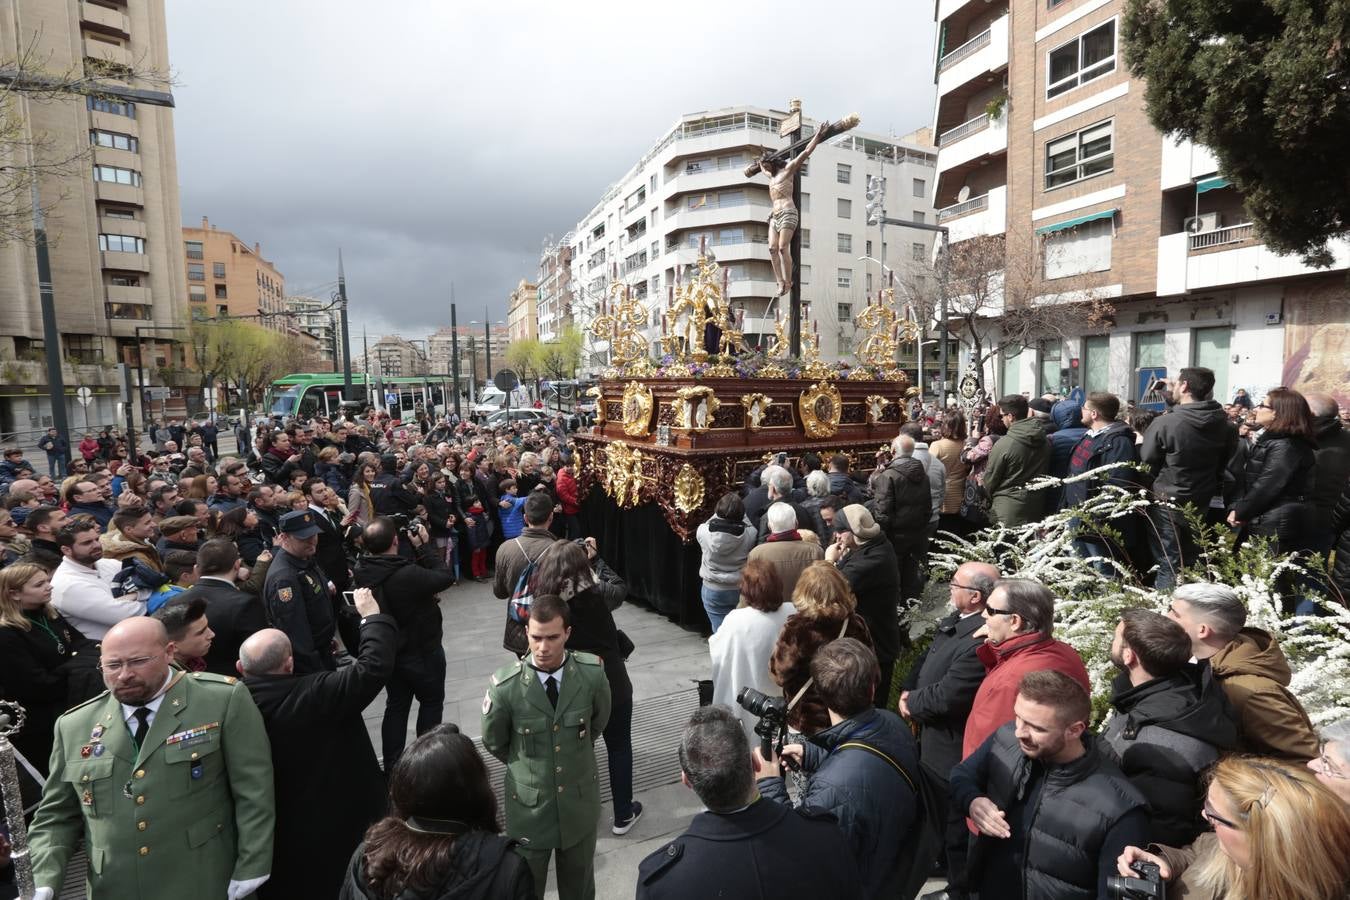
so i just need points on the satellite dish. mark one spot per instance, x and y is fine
(964, 194)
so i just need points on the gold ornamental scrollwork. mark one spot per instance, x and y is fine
(756, 405)
(876, 408)
(637, 409)
(623, 474)
(821, 407)
(599, 404)
(694, 408)
(689, 489)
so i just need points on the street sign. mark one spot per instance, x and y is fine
(506, 380)
(1146, 388)
(84, 395)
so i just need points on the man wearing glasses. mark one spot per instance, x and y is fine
(167, 777)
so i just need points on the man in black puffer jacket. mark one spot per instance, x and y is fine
(389, 492)
(1053, 811)
(863, 769)
(1332, 465)
(1172, 721)
(902, 504)
(407, 591)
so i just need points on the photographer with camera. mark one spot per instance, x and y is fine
(1278, 834)
(407, 591)
(1052, 812)
(863, 768)
(743, 845)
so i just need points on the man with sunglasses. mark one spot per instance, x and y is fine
(167, 776)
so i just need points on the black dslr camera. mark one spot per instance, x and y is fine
(772, 715)
(1148, 886)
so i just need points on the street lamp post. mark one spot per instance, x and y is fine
(140, 377)
(454, 351)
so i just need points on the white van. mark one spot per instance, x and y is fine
(492, 398)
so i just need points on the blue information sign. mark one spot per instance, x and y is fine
(1147, 390)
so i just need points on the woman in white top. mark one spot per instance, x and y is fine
(742, 646)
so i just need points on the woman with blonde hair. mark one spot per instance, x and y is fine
(1278, 834)
(46, 664)
(826, 611)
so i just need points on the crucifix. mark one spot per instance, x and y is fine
(783, 169)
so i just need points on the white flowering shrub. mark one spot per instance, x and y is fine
(1088, 604)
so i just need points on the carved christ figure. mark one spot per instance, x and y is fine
(785, 218)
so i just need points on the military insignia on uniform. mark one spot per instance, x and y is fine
(86, 750)
(284, 594)
(87, 798)
(192, 736)
(96, 733)
(98, 749)
(487, 702)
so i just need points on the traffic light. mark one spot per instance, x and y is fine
(876, 199)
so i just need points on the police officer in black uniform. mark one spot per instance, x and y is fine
(297, 595)
(743, 846)
(389, 492)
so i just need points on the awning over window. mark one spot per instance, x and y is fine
(1212, 184)
(1074, 223)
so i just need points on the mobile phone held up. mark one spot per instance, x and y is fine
(349, 599)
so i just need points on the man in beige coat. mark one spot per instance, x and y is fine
(788, 550)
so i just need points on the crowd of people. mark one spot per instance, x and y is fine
(195, 637)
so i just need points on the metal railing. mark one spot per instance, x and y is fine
(975, 44)
(961, 209)
(698, 168)
(1233, 234)
(964, 130)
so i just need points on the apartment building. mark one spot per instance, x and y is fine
(396, 357)
(554, 302)
(522, 311)
(1043, 138)
(228, 277)
(112, 214)
(690, 188)
(320, 320)
(473, 352)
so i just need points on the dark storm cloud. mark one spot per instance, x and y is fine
(438, 144)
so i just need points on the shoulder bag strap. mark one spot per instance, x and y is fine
(843, 630)
(883, 755)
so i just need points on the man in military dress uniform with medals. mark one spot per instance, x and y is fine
(296, 597)
(167, 776)
(541, 717)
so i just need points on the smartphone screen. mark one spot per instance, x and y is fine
(349, 598)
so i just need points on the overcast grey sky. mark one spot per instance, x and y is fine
(443, 141)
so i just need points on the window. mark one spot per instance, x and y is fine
(1081, 155)
(918, 217)
(121, 243)
(115, 175)
(193, 249)
(1052, 369)
(116, 107)
(126, 311)
(222, 310)
(1010, 359)
(1096, 363)
(197, 292)
(845, 208)
(1209, 348)
(218, 270)
(731, 236)
(806, 203)
(806, 238)
(845, 243)
(844, 279)
(113, 139)
(845, 344)
(806, 274)
(843, 174)
(125, 280)
(806, 168)
(844, 312)
(920, 188)
(917, 252)
(869, 248)
(220, 292)
(1077, 251)
(118, 214)
(1088, 56)
(869, 283)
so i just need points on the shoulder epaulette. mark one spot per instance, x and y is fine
(94, 699)
(212, 677)
(657, 862)
(505, 672)
(587, 659)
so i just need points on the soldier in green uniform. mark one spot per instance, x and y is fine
(541, 717)
(167, 776)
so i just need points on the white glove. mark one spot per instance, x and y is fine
(239, 889)
(43, 893)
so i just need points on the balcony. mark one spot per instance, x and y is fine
(102, 19)
(751, 288)
(1185, 163)
(718, 215)
(981, 137)
(984, 53)
(124, 194)
(108, 53)
(116, 293)
(106, 121)
(124, 262)
(130, 227)
(1228, 256)
(724, 253)
(983, 215)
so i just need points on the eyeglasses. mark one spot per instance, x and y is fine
(1264, 406)
(1327, 766)
(965, 587)
(112, 668)
(999, 612)
(1214, 818)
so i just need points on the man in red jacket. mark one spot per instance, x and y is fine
(566, 486)
(1019, 620)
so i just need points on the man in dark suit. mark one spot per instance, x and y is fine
(328, 783)
(233, 614)
(938, 695)
(331, 556)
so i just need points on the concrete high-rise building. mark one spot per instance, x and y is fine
(228, 277)
(320, 320)
(555, 288)
(395, 357)
(690, 187)
(1043, 139)
(113, 223)
(522, 316)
